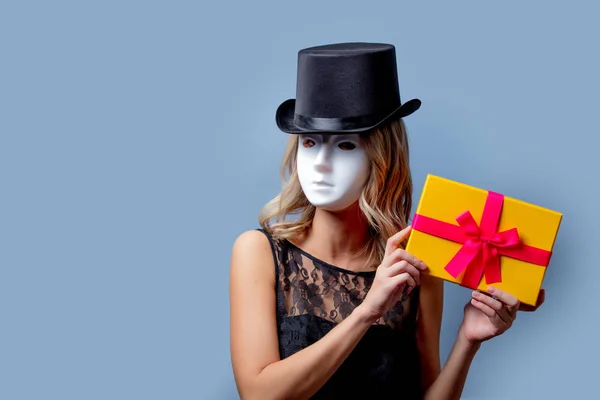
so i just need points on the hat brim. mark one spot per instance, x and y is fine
(285, 118)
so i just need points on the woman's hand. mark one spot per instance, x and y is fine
(398, 272)
(487, 317)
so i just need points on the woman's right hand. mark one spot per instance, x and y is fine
(398, 272)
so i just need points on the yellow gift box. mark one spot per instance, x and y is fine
(476, 238)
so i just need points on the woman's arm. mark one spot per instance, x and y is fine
(485, 317)
(438, 383)
(451, 380)
(258, 370)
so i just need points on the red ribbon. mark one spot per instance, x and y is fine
(482, 245)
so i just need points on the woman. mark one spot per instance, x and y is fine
(329, 305)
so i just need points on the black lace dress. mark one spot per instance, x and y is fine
(313, 296)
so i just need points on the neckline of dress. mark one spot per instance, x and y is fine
(331, 266)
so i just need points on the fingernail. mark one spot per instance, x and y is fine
(491, 289)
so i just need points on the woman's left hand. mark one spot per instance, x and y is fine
(487, 317)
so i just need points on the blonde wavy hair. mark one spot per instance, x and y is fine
(385, 201)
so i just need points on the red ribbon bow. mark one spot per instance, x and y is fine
(482, 245)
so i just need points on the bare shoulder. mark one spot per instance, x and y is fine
(252, 255)
(431, 302)
(432, 288)
(431, 299)
(251, 238)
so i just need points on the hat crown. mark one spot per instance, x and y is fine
(346, 80)
(344, 87)
(352, 48)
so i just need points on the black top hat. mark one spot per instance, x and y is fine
(344, 88)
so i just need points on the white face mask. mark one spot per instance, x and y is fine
(332, 169)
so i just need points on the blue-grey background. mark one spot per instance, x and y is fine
(137, 140)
